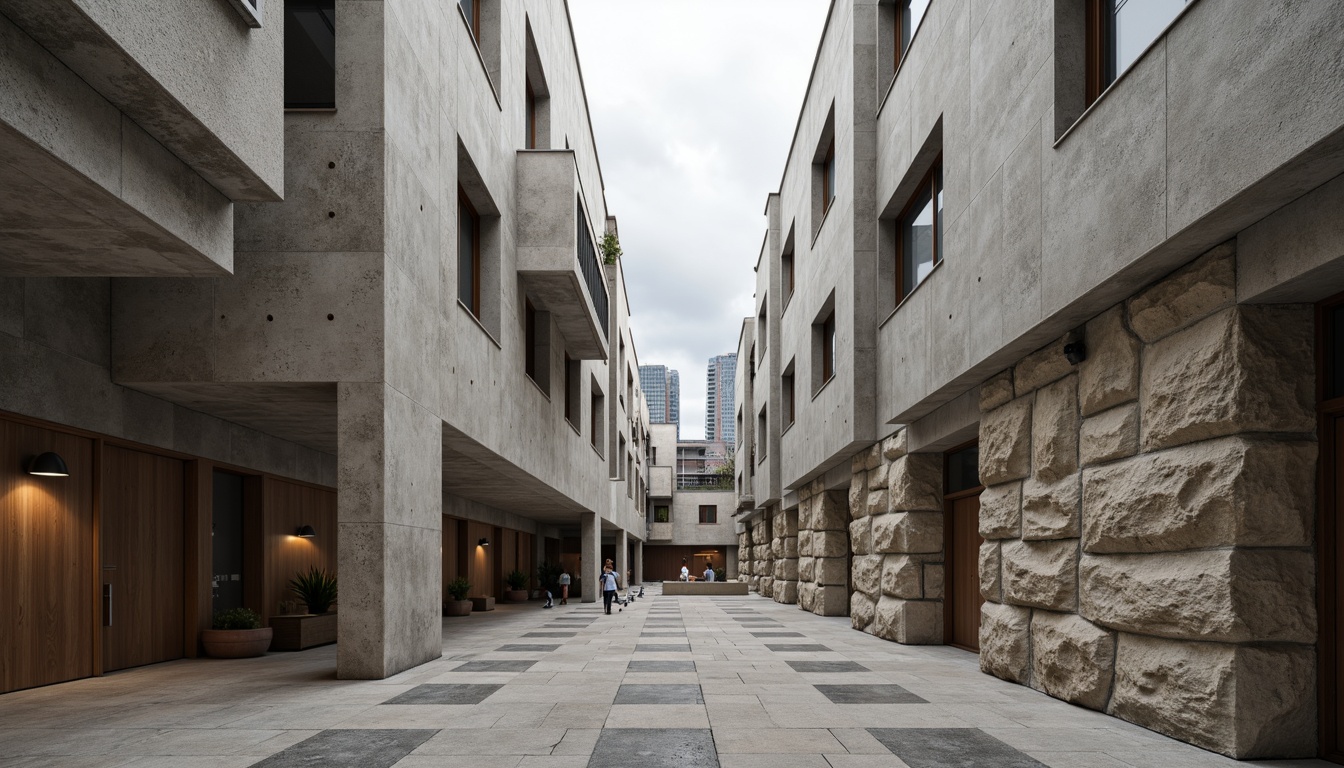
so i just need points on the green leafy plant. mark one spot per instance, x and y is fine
(459, 588)
(548, 574)
(237, 618)
(610, 247)
(516, 580)
(316, 588)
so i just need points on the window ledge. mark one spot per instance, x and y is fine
(318, 110)
(534, 383)
(825, 214)
(479, 324)
(903, 301)
(789, 426)
(476, 44)
(822, 388)
(787, 301)
(577, 431)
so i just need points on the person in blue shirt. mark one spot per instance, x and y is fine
(608, 583)
(709, 571)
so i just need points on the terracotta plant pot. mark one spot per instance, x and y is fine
(236, 643)
(456, 607)
(515, 595)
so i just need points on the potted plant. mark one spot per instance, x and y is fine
(457, 604)
(517, 591)
(316, 589)
(236, 634)
(548, 575)
(610, 248)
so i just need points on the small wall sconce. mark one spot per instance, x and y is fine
(483, 543)
(1075, 352)
(306, 532)
(48, 465)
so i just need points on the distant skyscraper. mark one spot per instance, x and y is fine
(720, 420)
(662, 390)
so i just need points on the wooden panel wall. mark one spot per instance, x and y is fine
(289, 506)
(454, 556)
(663, 562)
(142, 515)
(480, 560)
(47, 607)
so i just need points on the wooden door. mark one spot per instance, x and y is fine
(962, 572)
(1332, 583)
(142, 547)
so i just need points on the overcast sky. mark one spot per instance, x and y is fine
(694, 103)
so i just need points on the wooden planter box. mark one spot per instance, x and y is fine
(300, 631)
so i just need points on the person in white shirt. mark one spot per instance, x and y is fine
(608, 587)
(685, 572)
(564, 586)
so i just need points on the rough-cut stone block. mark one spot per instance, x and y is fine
(872, 458)
(804, 544)
(1072, 658)
(1243, 701)
(777, 547)
(1235, 596)
(1001, 511)
(1110, 374)
(858, 463)
(991, 582)
(758, 534)
(915, 482)
(1041, 574)
(1050, 511)
(858, 495)
(1005, 443)
(830, 571)
(830, 512)
(996, 390)
(1245, 369)
(807, 594)
(830, 544)
(1188, 294)
(862, 609)
(786, 524)
(912, 622)
(867, 574)
(1228, 492)
(1109, 435)
(785, 592)
(908, 532)
(861, 536)
(877, 478)
(1054, 431)
(1041, 367)
(933, 581)
(895, 447)
(790, 547)
(787, 568)
(765, 586)
(830, 600)
(902, 576)
(806, 570)
(876, 503)
(1005, 641)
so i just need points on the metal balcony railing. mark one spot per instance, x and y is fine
(591, 267)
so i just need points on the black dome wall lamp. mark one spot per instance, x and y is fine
(306, 532)
(483, 542)
(48, 465)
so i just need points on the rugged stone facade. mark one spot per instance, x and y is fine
(784, 554)
(896, 526)
(761, 555)
(1148, 517)
(823, 550)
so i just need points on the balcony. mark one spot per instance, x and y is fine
(660, 482)
(660, 531)
(557, 257)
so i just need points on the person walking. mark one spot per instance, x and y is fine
(608, 587)
(564, 586)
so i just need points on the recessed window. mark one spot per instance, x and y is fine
(919, 233)
(709, 514)
(763, 328)
(537, 345)
(531, 116)
(762, 422)
(471, 9)
(1118, 32)
(662, 514)
(310, 54)
(824, 172)
(786, 275)
(828, 178)
(787, 392)
(597, 422)
(908, 15)
(573, 370)
(468, 255)
(823, 350)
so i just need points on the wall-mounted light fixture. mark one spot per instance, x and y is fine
(306, 532)
(1075, 352)
(484, 542)
(48, 465)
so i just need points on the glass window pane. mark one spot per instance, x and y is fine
(469, 10)
(466, 251)
(310, 54)
(938, 215)
(911, 15)
(963, 469)
(917, 242)
(1137, 24)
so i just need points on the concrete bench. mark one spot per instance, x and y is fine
(704, 588)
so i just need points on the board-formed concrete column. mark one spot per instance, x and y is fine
(639, 564)
(623, 557)
(730, 563)
(590, 555)
(389, 516)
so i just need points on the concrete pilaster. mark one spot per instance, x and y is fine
(389, 515)
(590, 554)
(731, 562)
(623, 557)
(639, 563)
(538, 557)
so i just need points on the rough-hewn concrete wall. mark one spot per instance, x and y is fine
(1148, 516)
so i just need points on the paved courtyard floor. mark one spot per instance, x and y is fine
(668, 682)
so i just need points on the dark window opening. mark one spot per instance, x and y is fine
(919, 233)
(468, 255)
(310, 54)
(828, 348)
(662, 515)
(709, 514)
(963, 469)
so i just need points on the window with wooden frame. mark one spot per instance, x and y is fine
(709, 514)
(468, 254)
(824, 181)
(906, 19)
(919, 233)
(573, 369)
(471, 9)
(828, 178)
(787, 392)
(537, 345)
(1118, 33)
(662, 514)
(786, 275)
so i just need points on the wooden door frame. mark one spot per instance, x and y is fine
(949, 559)
(1327, 531)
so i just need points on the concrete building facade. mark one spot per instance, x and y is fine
(687, 519)
(1044, 358)
(419, 351)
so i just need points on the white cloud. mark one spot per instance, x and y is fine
(694, 103)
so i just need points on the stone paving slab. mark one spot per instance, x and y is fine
(446, 694)
(352, 749)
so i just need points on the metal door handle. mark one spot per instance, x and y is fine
(107, 605)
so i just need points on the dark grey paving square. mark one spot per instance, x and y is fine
(950, 748)
(796, 647)
(755, 620)
(434, 693)
(868, 694)
(526, 648)
(827, 666)
(663, 634)
(655, 748)
(550, 634)
(660, 666)
(677, 693)
(352, 748)
(661, 648)
(520, 665)
(739, 610)
(778, 634)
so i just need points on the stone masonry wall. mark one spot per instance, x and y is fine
(1148, 518)
(745, 564)
(896, 529)
(763, 567)
(823, 550)
(784, 550)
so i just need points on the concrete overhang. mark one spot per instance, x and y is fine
(473, 471)
(557, 256)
